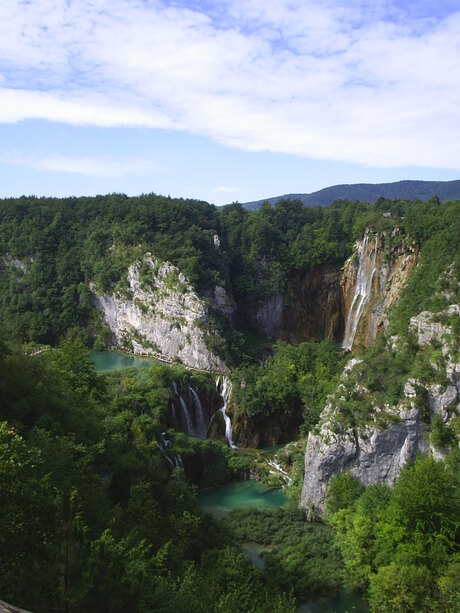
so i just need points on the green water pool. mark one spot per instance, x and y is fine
(240, 495)
(115, 360)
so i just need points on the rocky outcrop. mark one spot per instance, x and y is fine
(314, 306)
(221, 302)
(159, 313)
(372, 280)
(269, 315)
(377, 450)
(372, 454)
(16, 265)
(9, 608)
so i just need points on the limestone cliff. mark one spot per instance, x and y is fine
(372, 280)
(314, 306)
(392, 435)
(349, 306)
(269, 315)
(159, 313)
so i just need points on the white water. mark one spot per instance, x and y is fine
(363, 290)
(200, 430)
(225, 392)
(166, 443)
(278, 469)
(185, 412)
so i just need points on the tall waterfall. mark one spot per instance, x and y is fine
(200, 426)
(363, 289)
(185, 412)
(225, 392)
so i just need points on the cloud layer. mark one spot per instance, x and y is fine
(90, 166)
(374, 83)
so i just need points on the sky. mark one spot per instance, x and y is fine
(226, 100)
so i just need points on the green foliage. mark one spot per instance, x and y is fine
(294, 379)
(401, 544)
(441, 435)
(64, 244)
(298, 555)
(93, 518)
(432, 285)
(399, 588)
(343, 490)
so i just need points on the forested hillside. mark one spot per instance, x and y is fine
(53, 251)
(99, 473)
(371, 192)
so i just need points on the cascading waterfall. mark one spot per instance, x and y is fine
(363, 290)
(225, 392)
(166, 444)
(278, 469)
(185, 412)
(200, 429)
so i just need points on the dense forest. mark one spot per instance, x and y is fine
(99, 514)
(53, 248)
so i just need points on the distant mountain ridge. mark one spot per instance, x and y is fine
(371, 192)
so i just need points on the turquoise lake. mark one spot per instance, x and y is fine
(240, 495)
(105, 361)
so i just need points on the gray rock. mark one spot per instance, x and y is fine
(374, 454)
(269, 314)
(160, 314)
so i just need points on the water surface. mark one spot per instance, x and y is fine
(115, 360)
(240, 495)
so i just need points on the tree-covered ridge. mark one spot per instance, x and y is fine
(370, 192)
(52, 249)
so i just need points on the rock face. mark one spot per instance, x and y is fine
(378, 451)
(372, 455)
(372, 280)
(160, 314)
(349, 306)
(314, 306)
(269, 315)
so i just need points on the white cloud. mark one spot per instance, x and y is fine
(353, 81)
(91, 166)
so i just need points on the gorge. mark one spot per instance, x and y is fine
(309, 353)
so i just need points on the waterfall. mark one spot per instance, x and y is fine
(166, 444)
(200, 430)
(173, 411)
(278, 469)
(185, 412)
(226, 390)
(363, 290)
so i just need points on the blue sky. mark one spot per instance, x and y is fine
(226, 100)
